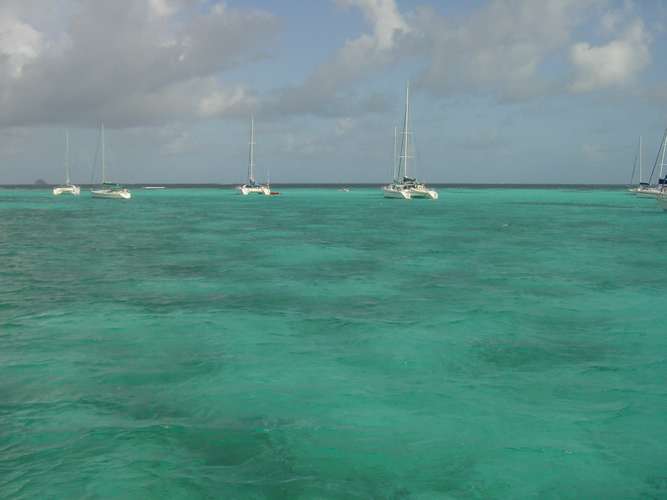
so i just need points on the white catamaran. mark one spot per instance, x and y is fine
(646, 190)
(252, 186)
(109, 190)
(68, 188)
(403, 186)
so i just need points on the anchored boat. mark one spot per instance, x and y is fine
(109, 190)
(252, 187)
(68, 188)
(403, 186)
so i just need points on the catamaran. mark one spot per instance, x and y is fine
(68, 188)
(252, 186)
(109, 190)
(651, 191)
(404, 186)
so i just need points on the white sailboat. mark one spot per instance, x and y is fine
(404, 186)
(640, 184)
(68, 188)
(652, 191)
(109, 190)
(252, 187)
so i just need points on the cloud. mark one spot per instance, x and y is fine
(612, 65)
(128, 62)
(499, 48)
(324, 92)
(344, 126)
(19, 44)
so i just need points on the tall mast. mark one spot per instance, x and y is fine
(251, 160)
(67, 172)
(395, 154)
(662, 160)
(406, 133)
(104, 166)
(640, 160)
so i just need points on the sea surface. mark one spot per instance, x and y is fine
(192, 343)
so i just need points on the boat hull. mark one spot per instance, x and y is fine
(648, 193)
(112, 194)
(424, 193)
(71, 190)
(402, 194)
(262, 190)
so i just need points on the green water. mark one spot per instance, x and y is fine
(497, 343)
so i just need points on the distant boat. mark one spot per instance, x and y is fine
(154, 187)
(651, 191)
(68, 188)
(252, 187)
(109, 190)
(640, 184)
(404, 186)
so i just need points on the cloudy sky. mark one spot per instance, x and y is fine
(503, 90)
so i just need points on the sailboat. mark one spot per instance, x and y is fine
(109, 190)
(638, 160)
(68, 188)
(252, 186)
(404, 186)
(651, 191)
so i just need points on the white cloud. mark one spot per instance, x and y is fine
(161, 8)
(614, 64)
(498, 48)
(385, 19)
(323, 92)
(19, 44)
(220, 101)
(125, 63)
(344, 125)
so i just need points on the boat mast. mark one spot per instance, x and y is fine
(251, 160)
(406, 133)
(662, 160)
(395, 154)
(104, 167)
(640, 160)
(67, 172)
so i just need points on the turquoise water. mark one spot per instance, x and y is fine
(498, 343)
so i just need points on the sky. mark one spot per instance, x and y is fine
(502, 91)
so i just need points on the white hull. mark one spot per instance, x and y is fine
(403, 186)
(424, 193)
(391, 192)
(112, 194)
(648, 193)
(73, 190)
(246, 190)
